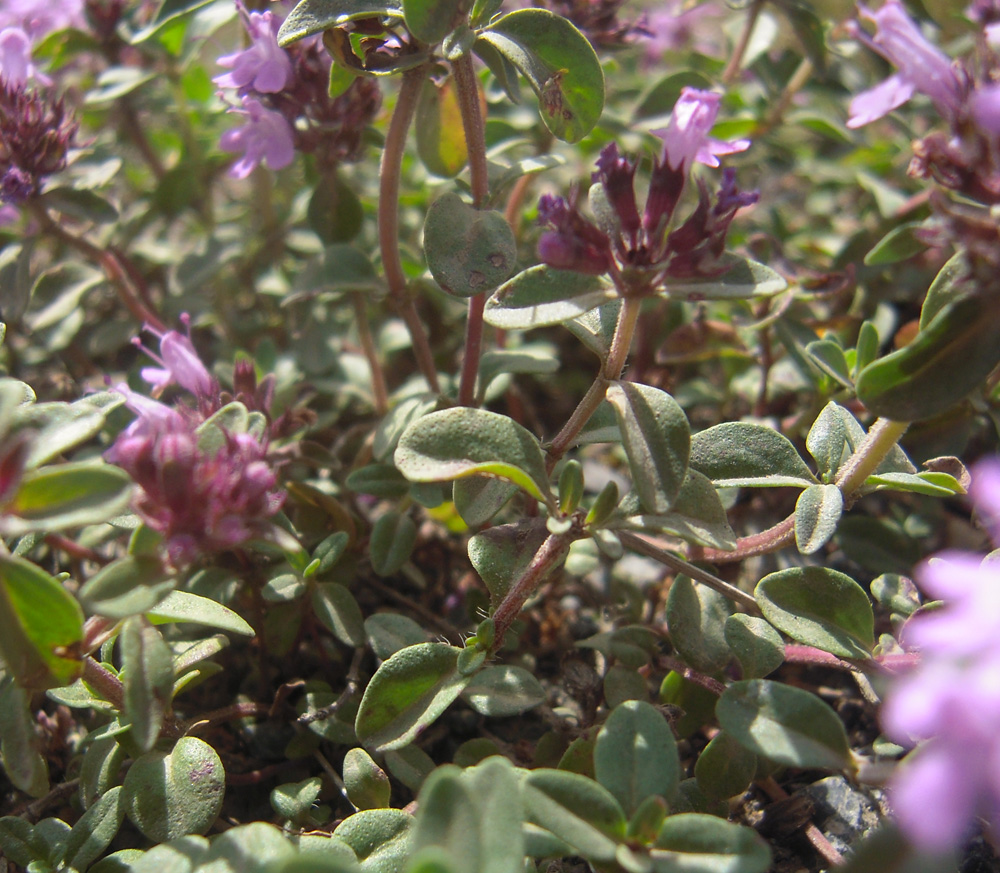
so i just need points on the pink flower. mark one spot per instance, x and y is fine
(686, 139)
(951, 701)
(179, 362)
(264, 66)
(39, 18)
(266, 135)
(922, 67)
(16, 66)
(673, 28)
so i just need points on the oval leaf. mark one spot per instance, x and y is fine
(743, 278)
(698, 843)
(743, 454)
(504, 690)
(817, 513)
(786, 724)
(543, 295)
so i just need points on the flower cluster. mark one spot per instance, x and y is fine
(967, 95)
(952, 700)
(643, 245)
(35, 135)
(204, 493)
(285, 102)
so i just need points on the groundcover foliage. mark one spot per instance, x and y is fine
(443, 436)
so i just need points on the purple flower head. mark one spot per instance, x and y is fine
(617, 175)
(265, 135)
(951, 701)
(179, 362)
(264, 66)
(573, 243)
(922, 67)
(16, 66)
(39, 18)
(686, 139)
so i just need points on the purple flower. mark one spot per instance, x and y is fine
(264, 66)
(16, 66)
(922, 67)
(686, 139)
(266, 135)
(672, 28)
(952, 700)
(39, 18)
(179, 362)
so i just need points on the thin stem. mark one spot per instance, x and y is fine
(677, 666)
(467, 91)
(121, 279)
(388, 221)
(762, 543)
(798, 81)
(815, 836)
(735, 62)
(881, 438)
(379, 391)
(622, 340)
(547, 559)
(679, 565)
(234, 712)
(104, 682)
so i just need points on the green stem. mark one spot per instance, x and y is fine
(881, 438)
(547, 559)
(388, 221)
(379, 391)
(467, 91)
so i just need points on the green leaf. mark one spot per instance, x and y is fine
(148, 677)
(786, 724)
(41, 626)
(503, 690)
(95, 830)
(501, 554)
(411, 765)
(294, 800)
(431, 21)
(315, 16)
(899, 244)
(391, 543)
(827, 356)
(696, 618)
(128, 586)
(635, 755)
(65, 426)
(379, 480)
(462, 442)
(724, 768)
(817, 513)
(66, 496)
(172, 794)
(953, 281)
(950, 357)
(26, 769)
(407, 693)
(388, 633)
(742, 454)
(478, 498)
(339, 613)
(168, 11)
(657, 440)
(181, 606)
(366, 784)
(16, 841)
(697, 843)
(819, 607)
(933, 484)
(379, 837)
(743, 278)
(755, 643)
(827, 440)
(542, 296)
(559, 64)
(80, 204)
(469, 250)
(474, 816)
(440, 134)
(99, 772)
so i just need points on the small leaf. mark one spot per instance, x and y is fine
(366, 784)
(696, 618)
(19, 745)
(170, 795)
(724, 768)
(742, 454)
(501, 554)
(41, 626)
(576, 810)
(478, 498)
(462, 442)
(181, 606)
(65, 496)
(128, 586)
(440, 135)
(827, 440)
(468, 250)
(148, 677)
(388, 633)
(698, 843)
(95, 830)
(657, 440)
(503, 690)
(431, 21)
(379, 837)
(294, 800)
(315, 16)
(827, 356)
(755, 643)
(786, 724)
(392, 540)
(339, 612)
(407, 693)
(817, 513)
(930, 483)
(635, 755)
(744, 278)
(899, 244)
(559, 64)
(99, 771)
(819, 607)
(334, 213)
(379, 480)
(542, 296)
